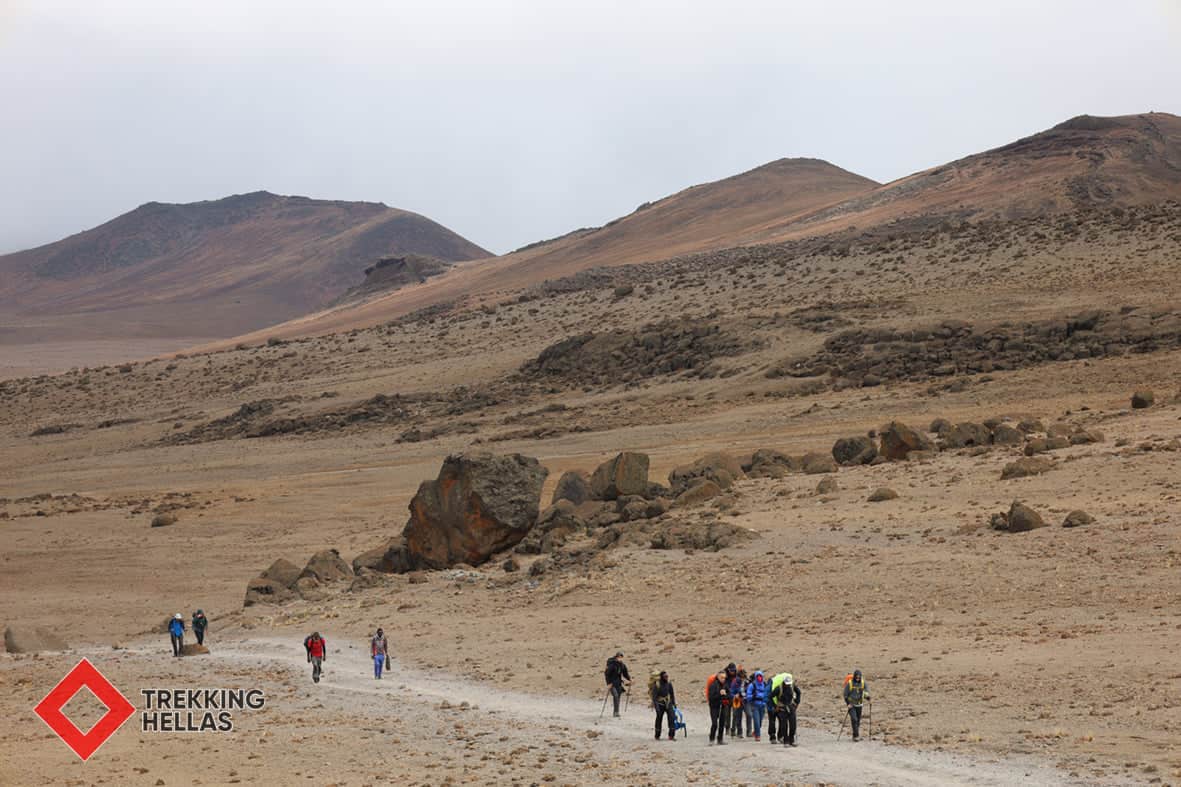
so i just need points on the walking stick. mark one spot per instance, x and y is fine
(870, 719)
(843, 720)
(604, 710)
(626, 700)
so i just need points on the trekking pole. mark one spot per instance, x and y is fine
(604, 710)
(626, 700)
(870, 719)
(843, 720)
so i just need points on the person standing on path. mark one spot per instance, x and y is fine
(317, 649)
(379, 648)
(719, 708)
(772, 717)
(738, 709)
(856, 694)
(757, 694)
(200, 623)
(664, 700)
(785, 699)
(176, 631)
(615, 674)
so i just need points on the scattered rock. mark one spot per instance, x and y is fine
(827, 486)
(32, 639)
(966, 434)
(1026, 467)
(626, 474)
(854, 451)
(898, 440)
(1030, 425)
(769, 463)
(1143, 398)
(1019, 519)
(387, 559)
(284, 572)
(193, 649)
(703, 490)
(882, 494)
(816, 463)
(1077, 518)
(510, 564)
(1086, 437)
(940, 426)
(1041, 445)
(573, 486)
(719, 467)
(1004, 434)
(164, 520)
(480, 504)
(262, 590)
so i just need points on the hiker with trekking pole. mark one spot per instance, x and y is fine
(664, 700)
(616, 674)
(856, 694)
(785, 698)
(757, 694)
(718, 693)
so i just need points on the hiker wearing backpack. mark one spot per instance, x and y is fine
(379, 649)
(772, 717)
(200, 623)
(856, 694)
(718, 693)
(738, 709)
(176, 633)
(317, 650)
(758, 691)
(664, 700)
(616, 673)
(785, 698)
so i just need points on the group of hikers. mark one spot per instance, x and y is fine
(316, 648)
(738, 702)
(176, 630)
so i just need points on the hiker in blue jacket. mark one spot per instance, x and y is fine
(176, 630)
(757, 694)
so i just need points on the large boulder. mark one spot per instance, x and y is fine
(283, 572)
(1026, 467)
(480, 504)
(32, 639)
(573, 486)
(626, 474)
(882, 494)
(854, 451)
(1004, 434)
(898, 440)
(326, 566)
(1041, 445)
(263, 590)
(769, 463)
(721, 468)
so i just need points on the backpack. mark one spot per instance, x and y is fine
(709, 683)
(612, 672)
(653, 679)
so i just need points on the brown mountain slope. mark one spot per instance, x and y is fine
(1084, 162)
(241, 262)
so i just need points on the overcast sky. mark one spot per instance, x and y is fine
(515, 121)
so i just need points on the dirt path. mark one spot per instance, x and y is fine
(819, 758)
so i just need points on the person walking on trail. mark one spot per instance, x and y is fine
(616, 674)
(379, 649)
(200, 623)
(176, 631)
(856, 694)
(664, 700)
(758, 691)
(785, 699)
(317, 650)
(718, 692)
(772, 716)
(738, 709)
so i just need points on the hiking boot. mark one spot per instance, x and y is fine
(757, 739)
(721, 743)
(672, 737)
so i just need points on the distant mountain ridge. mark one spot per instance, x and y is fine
(283, 256)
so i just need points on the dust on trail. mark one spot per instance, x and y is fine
(819, 758)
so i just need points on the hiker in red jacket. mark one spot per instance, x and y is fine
(317, 648)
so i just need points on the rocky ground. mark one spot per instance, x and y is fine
(1054, 647)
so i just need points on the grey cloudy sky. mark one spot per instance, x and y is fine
(514, 121)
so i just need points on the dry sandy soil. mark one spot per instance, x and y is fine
(1046, 657)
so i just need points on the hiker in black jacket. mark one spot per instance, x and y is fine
(664, 700)
(785, 698)
(719, 708)
(616, 673)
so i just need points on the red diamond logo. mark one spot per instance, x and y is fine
(84, 675)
